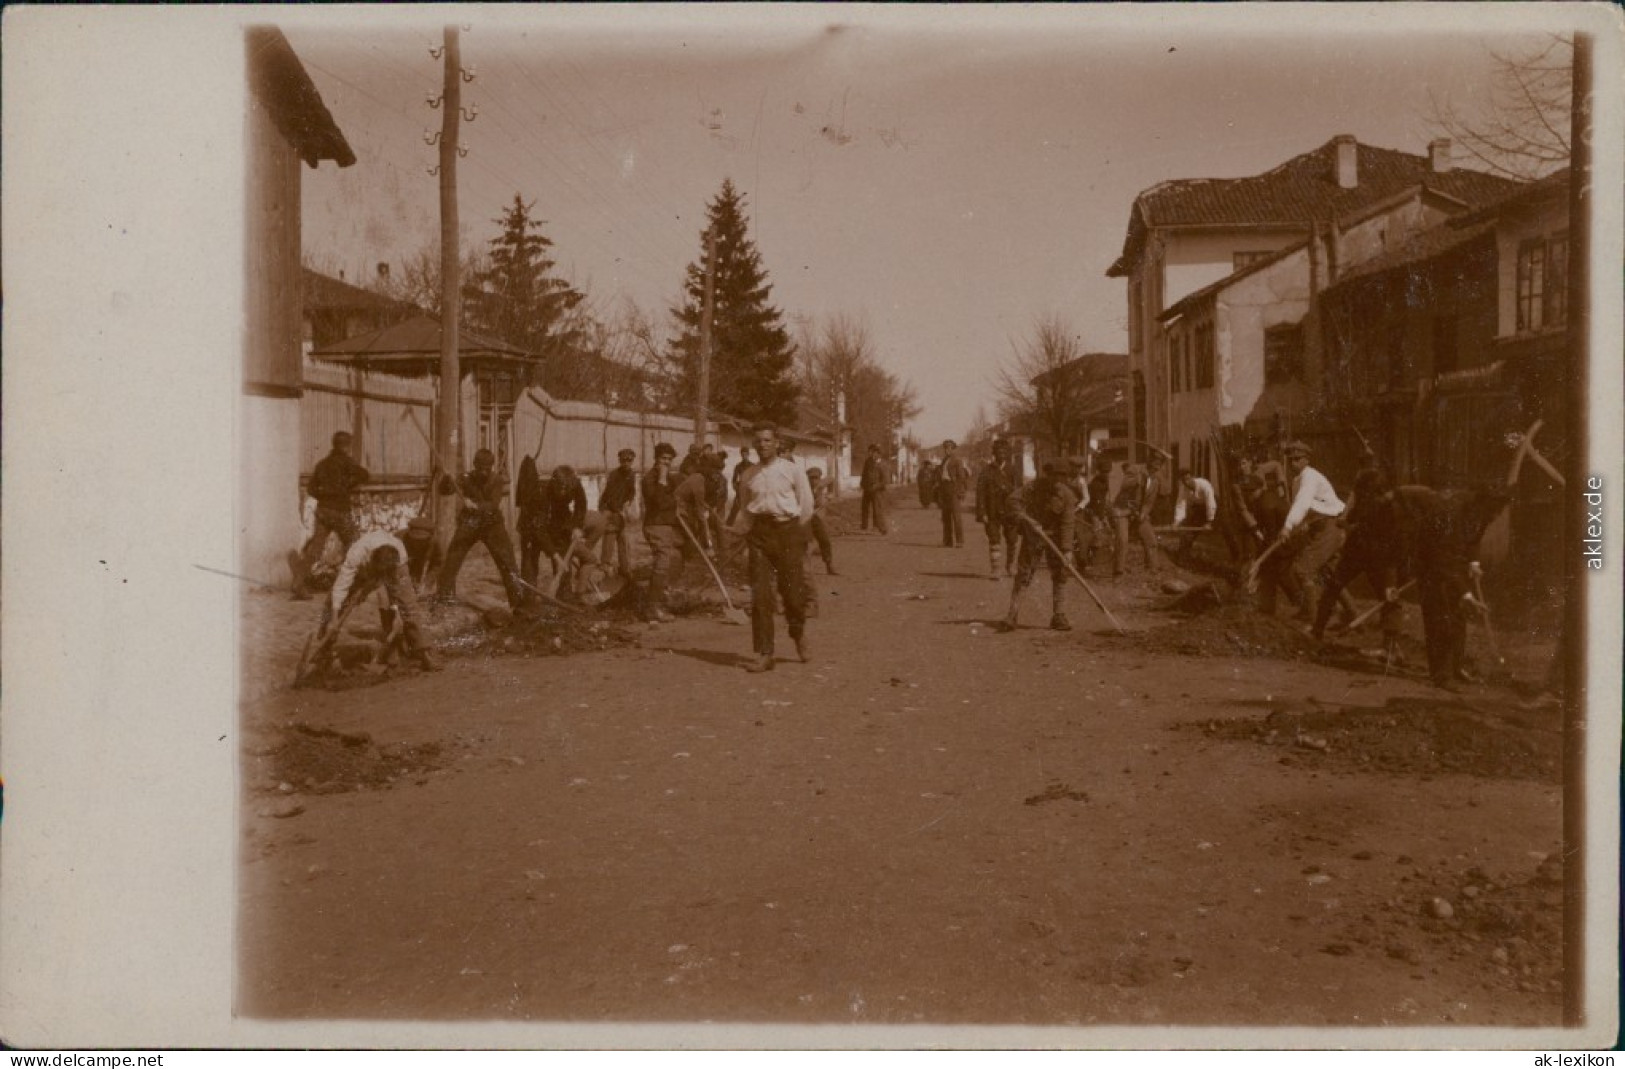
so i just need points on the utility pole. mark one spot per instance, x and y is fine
(1576, 577)
(702, 411)
(449, 415)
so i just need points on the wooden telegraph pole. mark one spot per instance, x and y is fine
(448, 410)
(1573, 644)
(702, 411)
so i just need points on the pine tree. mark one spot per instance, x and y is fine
(515, 296)
(751, 353)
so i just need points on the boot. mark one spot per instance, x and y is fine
(1059, 622)
(762, 662)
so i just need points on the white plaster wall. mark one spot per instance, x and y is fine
(268, 505)
(1194, 260)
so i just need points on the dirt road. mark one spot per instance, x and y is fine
(932, 823)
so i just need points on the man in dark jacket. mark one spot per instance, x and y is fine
(873, 484)
(1378, 543)
(1050, 505)
(480, 521)
(998, 479)
(563, 513)
(332, 483)
(660, 530)
(953, 479)
(620, 490)
(1448, 529)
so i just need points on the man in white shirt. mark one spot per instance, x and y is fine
(1197, 506)
(776, 506)
(1309, 538)
(378, 559)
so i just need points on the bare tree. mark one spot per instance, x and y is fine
(1043, 385)
(836, 358)
(1523, 132)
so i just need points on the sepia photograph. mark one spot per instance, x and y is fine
(883, 526)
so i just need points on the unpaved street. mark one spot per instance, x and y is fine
(930, 823)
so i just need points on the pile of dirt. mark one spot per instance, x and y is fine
(1510, 927)
(1407, 736)
(1228, 631)
(315, 760)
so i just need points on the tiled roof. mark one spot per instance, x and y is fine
(323, 292)
(1553, 186)
(1094, 367)
(416, 341)
(1303, 188)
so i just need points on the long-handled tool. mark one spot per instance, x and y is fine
(1359, 621)
(1484, 610)
(1252, 569)
(1081, 580)
(729, 613)
(319, 646)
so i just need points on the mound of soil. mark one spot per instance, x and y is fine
(314, 760)
(1229, 631)
(1407, 736)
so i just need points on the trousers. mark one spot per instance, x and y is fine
(777, 563)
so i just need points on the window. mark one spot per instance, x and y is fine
(1283, 353)
(1239, 260)
(1204, 357)
(1134, 312)
(1557, 280)
(1543, 274)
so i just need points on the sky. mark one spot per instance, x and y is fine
(944, 176)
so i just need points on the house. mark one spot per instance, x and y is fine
(333, 310)
(1093, 391)
(1450, 347)
(1222, 273)
(286, 125)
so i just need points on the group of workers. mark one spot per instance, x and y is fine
(1302, 539)
(776, 511)
(1284, 519)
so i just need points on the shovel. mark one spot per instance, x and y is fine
(1252, 570)
(1039, 531)
(1359, 621)
(729, 613)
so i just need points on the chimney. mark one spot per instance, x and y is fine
(1348, 170)
(1439, 159)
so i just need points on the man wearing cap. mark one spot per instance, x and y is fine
(1051, 505)
(480, 521)
(953, 479)
(378, 560)
(1308, 537)
(620, 490)
(873, 485)
(777, 506)
(1136, 499)
(334, 480)
(660, 530)
(998, 479)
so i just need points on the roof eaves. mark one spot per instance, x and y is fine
(283, 85)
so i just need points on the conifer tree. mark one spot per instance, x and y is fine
(516, 298)
(752, 374)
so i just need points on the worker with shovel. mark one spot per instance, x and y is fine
(777, 506)
(1308, 539)
(1050, 504)
(480, 521)
(1378, 545)
(375, 560)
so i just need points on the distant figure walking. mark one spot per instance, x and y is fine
(873, 484)
(998, 479)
